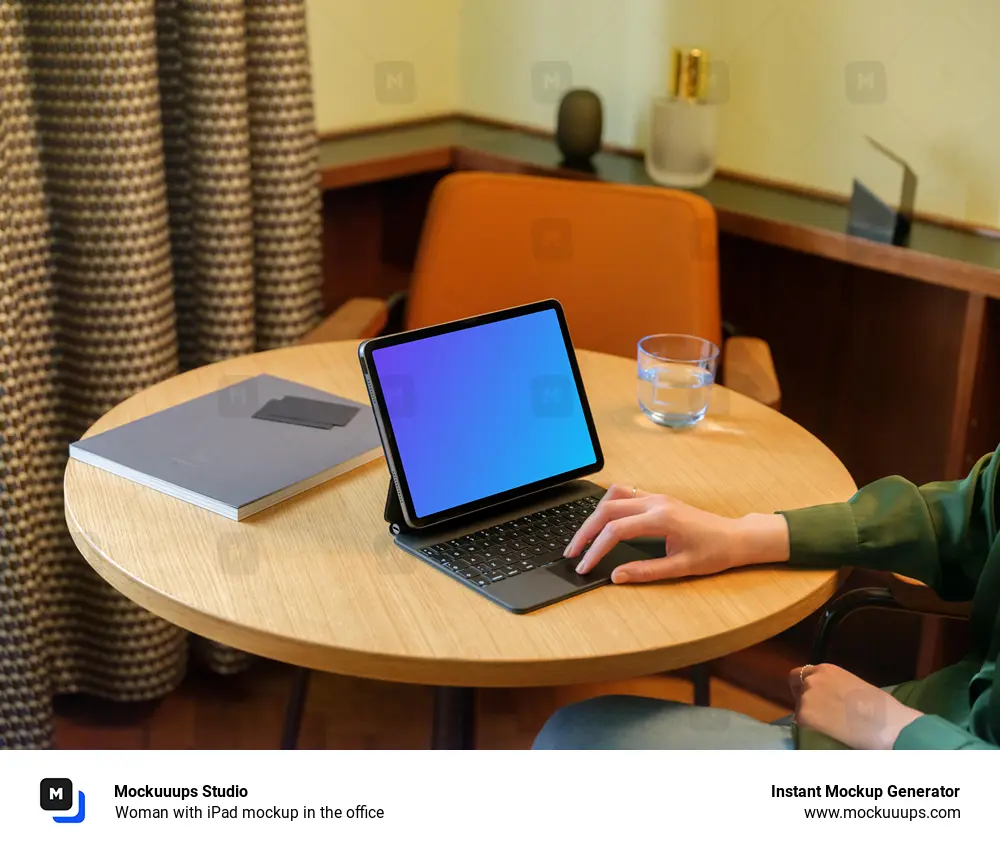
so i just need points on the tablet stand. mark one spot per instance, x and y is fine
(393, 511)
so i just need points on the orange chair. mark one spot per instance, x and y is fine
(624, 261)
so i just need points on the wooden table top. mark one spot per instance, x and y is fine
(317, 581)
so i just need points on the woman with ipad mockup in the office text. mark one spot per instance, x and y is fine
(944, 535)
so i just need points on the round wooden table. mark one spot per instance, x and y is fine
(318, 582)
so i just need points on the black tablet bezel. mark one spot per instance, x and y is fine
(396, 469)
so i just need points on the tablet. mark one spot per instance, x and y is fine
(480, 411)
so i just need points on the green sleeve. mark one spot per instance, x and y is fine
(930, 732)
(939, 534)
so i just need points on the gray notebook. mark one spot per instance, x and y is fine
(229, 453)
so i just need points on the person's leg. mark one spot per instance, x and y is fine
(641, 723)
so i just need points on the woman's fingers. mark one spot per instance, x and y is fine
(637, 572)
(796, 679)
(604, 513)
(626, 527)
(794, 682)
(621, 491)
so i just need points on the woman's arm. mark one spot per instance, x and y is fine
(939, 534)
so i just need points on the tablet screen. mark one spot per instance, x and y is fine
(484, 410)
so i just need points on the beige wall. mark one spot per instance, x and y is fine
(794, 112)
(382, 60)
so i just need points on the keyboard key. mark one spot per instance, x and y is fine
(510, 548)
(545, 558)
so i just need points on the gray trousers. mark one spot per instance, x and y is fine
(618, 722)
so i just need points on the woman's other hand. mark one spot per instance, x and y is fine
(841, 706)
(697, 542)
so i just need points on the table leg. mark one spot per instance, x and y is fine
(701, 677)
(454, 719)
(294, 709)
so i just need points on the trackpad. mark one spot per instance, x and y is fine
(621, 554)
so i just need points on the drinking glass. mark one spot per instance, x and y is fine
(675, 377)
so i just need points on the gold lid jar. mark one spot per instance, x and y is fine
(689, 74)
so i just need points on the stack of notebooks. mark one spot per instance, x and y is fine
(241, 449)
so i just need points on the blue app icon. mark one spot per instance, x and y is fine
(56, 795)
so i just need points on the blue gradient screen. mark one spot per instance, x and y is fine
(484, 410)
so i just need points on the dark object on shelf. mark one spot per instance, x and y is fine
(576, 165)
(579, 126)
(871, 218)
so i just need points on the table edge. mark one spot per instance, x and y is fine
(442, 671)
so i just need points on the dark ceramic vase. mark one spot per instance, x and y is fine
(579, 126)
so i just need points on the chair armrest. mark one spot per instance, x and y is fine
(901, 594)
(359, 318)
(918, 597)
(747, 368)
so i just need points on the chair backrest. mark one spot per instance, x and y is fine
(624, 261)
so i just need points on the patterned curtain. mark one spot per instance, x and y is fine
(159, 210)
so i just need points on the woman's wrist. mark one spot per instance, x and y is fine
(898, 717)
(760, 539)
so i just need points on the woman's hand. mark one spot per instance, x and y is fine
(848, 709)
(697, 542)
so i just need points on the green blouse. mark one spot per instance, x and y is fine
(944, 535)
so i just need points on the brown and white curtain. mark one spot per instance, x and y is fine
(159, 210)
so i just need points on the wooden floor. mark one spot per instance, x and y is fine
(246, 711)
